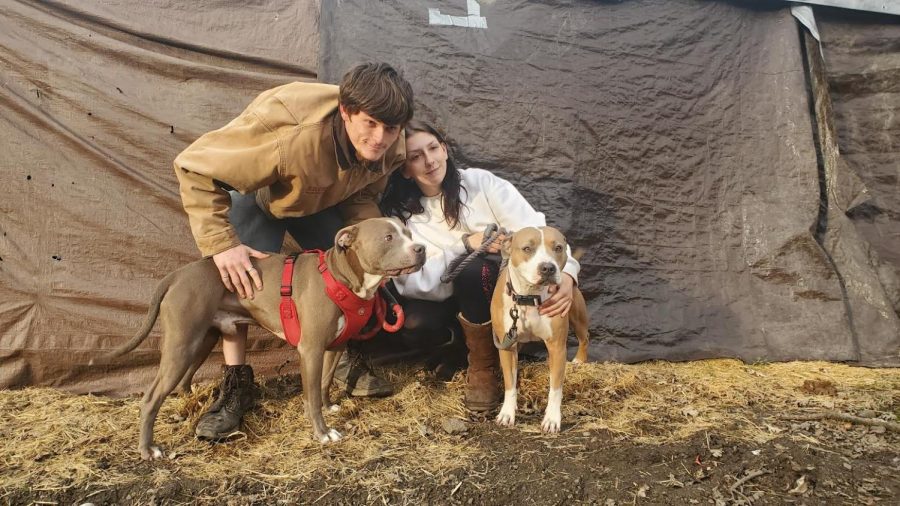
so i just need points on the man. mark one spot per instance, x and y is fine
(303, 158)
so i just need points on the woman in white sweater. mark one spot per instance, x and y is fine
(448, 210)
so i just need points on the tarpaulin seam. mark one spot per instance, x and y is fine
(821, 225)
(110, 29)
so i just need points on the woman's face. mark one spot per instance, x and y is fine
(426, 162)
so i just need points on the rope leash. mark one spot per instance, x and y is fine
(491, 232)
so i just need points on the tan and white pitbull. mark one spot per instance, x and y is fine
(196, 309)
(535, 258)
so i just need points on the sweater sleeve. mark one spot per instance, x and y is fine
(244, 154)
(513, 212)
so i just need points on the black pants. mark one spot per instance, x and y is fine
(264, 233)
(472, 291)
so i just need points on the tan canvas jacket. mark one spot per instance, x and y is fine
(283, 144)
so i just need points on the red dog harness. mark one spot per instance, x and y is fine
(357, 311)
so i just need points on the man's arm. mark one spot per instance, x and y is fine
(244, 154)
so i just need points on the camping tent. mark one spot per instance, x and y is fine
(732, 181)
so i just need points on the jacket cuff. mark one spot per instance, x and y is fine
(214, 244)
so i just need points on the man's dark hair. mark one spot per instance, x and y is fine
(378, 90)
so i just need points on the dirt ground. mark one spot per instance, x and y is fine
(711, 432)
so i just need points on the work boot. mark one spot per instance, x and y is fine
(237, 394)
(354, 375)
(482, 381)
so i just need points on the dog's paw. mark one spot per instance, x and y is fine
(151, 453)
(506, 418)
(330, 437)
(551, 424)
(577, 361)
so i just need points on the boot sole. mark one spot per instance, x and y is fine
(362, 392)
(481, 408)
(216, 437)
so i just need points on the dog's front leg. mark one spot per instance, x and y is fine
(328, 367)
(312, 356)
(509, 359)
(556, 351)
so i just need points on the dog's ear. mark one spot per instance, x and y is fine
(345, 237)
(505, 247)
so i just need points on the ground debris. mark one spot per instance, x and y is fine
(819, 387)
(844, 417)
(628, 433)
(454, 426)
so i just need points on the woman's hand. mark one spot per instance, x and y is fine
(561, 298)
(474, 242)
(237, 272)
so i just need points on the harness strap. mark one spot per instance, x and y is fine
(358, 312)
(290, 320)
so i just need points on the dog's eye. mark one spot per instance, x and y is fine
(526, 249)
(389, 237)
(558, 248)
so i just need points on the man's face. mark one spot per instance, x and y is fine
(370, 137)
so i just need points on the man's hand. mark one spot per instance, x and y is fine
(474, 241)
(561, 298)
(236, 270)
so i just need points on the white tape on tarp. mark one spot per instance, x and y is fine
(804, 15)
(472, 20)
(879, 6)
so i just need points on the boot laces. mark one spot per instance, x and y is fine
(231, 391)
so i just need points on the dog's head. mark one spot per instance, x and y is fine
(537, 255)
(382, 246)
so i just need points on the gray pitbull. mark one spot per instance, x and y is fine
(196, 310)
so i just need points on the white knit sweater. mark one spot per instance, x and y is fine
(488, 199)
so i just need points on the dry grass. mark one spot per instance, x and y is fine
(56, 441)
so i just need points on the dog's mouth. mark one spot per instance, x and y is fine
(404, 270)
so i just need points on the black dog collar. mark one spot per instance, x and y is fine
(522, 300)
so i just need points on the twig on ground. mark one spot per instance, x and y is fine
(844, 417)
(745, 479)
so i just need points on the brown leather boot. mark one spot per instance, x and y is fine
(482, 380)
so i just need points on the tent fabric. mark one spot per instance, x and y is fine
(862, 53)
(94, 106)
(677, 149)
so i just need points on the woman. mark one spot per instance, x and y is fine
(448, 210)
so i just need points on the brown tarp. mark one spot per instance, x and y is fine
(673, 140)
(96, 101)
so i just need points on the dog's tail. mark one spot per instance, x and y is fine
(144, 331)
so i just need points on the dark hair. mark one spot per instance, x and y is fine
(379, 91)
(402, 196)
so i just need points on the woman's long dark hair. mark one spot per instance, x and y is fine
(401, 197)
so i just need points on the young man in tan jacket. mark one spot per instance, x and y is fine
(303, 158)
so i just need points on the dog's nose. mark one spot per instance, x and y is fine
(547, 269)
(418, 249)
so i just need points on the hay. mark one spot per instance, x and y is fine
(56, 441)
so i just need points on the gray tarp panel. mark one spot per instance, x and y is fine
(677, 148)
(95, 102)
(862, 55)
